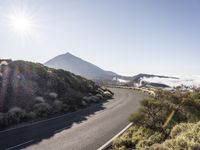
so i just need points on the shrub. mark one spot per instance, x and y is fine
(15, 115)
(1, 119)
(121, 143)
(117, 143)
(177, 130)
(39, 99)
(136, 118)
(42, 109)
(122, 148)
(57, 106)
(138, 137)
(158, 147)
(183, 136)
(143, 144)
(53, 95)
(31, 115)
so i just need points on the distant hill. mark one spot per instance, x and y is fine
(154, 85)
(80, 67)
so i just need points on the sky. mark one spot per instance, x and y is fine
(124, 36)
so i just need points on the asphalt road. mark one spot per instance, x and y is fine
(87, 129)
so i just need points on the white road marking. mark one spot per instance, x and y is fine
(62, 129)
(10, 148)
(107, 144)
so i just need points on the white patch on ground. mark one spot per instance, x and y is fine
(190, 81)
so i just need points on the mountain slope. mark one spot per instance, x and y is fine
(79, 66)
(29, 90)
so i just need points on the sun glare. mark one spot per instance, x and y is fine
(21, 23)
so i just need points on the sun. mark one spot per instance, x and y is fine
(21, 23)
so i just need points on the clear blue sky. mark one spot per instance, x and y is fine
(125, 36)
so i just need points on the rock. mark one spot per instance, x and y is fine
(107, 94)
(99, 96)
(100, 90)
(83, 103)
(94, 99)
(89, 99)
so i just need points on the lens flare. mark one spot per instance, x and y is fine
(23, 21)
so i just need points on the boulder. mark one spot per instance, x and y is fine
(89, 99)
(100, 96)
(107, 94)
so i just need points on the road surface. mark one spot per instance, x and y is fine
(86, 129)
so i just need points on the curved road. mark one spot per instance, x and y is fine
(89, 129)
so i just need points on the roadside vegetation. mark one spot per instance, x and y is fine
(164, 121)
(31, 91)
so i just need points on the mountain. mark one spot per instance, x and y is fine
(80, 67)
(88, 70)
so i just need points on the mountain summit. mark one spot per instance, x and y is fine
(80, 67)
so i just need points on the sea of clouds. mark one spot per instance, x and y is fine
(190, 81)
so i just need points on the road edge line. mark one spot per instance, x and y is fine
(19, 145)
(107, 144)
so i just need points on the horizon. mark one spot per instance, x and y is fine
(133, 36)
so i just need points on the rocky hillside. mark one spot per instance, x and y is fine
(31, 90)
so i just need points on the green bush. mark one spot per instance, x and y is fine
(136, 118)
(162, 119)
(138, 137)
(183, 136)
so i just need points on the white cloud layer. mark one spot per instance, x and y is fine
(190, 81)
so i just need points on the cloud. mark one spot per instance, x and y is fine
(190, 81)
